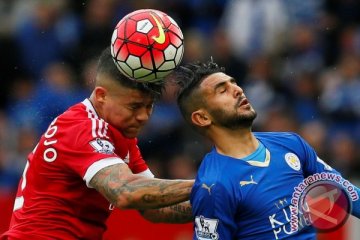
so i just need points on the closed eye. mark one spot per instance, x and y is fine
(222, 90)
(222, 87)
(135, 106)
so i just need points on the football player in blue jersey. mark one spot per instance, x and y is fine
(253, 185)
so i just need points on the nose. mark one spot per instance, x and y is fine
(238, 91)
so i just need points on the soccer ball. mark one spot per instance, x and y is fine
(147, 45)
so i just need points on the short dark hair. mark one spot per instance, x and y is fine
(189, 76)
(106, 65)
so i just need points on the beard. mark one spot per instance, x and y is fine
(233, 121)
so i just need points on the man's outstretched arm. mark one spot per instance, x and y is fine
(131, 191)
(179, 213)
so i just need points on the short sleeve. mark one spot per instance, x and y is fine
(312, 163)
(147, 173)
(84, 153)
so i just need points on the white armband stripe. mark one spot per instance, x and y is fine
(146, 173)
(97, 166)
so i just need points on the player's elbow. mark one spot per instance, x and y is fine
(129, 201)
(132, 194)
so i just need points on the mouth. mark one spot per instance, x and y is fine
(242, 102)
(135, 128)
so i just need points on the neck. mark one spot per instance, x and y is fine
(234, 143)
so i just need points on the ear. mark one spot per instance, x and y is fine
(100, 94)
(200, 118)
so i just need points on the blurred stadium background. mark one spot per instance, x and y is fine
(298, 61)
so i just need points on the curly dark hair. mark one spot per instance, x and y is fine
(107, 66)
(188, 77)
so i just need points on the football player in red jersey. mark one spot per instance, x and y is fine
(88, 161)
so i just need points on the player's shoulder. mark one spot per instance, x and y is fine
(76, 116)
(74, 111)
(212, 170)
(211, 164)
(277, 136)
(81, 122)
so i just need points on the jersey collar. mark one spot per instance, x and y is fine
(261, 164)
(90, 107)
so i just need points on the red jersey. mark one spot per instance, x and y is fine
(54, 199)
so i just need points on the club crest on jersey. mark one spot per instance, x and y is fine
(102, 146)
(205, 228)
(293, 161)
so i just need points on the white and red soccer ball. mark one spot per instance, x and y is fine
(147, 45)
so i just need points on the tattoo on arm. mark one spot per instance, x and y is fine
(179, 213)
(127, 190)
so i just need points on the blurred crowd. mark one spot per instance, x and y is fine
(297, 60)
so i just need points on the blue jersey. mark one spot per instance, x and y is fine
(250, 199)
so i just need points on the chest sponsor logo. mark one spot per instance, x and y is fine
(205, 228)
(280, 220)
(102, 146)
(293, 161)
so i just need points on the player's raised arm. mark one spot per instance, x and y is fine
(127, 190)
(313, 166)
